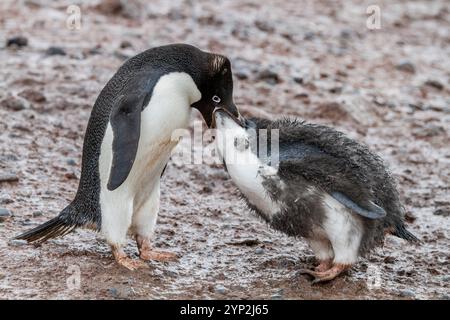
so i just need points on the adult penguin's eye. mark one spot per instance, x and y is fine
(216, 99)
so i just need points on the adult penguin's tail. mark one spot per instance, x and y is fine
(59, 226)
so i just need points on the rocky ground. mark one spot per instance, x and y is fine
(317, 60)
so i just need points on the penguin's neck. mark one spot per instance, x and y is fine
(170, 106)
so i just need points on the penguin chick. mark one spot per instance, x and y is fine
(319, 184)
(128, 142)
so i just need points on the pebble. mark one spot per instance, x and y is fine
(55, 51)
(406, 66)
(435, 84)
(125, 44)
(33, 95)
(259, 251)
(113, 292)
(264, 26)
(37, 214)
(6, 200)
(444, 212)
(277, 296)
(220, 289)
(298, 79)
(8, 177)
(71, 162)
(18, 41)
(4, 214)
(17, 243)
(406, 293)
(269, 77)
(207, 189)
(389, 260)
(15, 103)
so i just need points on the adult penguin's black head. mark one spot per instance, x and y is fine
(216, 87)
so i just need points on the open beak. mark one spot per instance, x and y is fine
(238, 119)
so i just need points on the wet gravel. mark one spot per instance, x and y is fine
(388, 88)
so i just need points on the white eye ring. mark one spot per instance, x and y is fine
(216, 99)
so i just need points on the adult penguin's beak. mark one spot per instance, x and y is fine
(236, 118)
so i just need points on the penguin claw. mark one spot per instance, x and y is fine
(155, 255)
(324, 276)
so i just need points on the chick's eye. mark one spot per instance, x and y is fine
(216, 99)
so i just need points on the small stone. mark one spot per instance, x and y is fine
(389, 260)
(33, 95)
(70, 176)
(18, 41)
(444, 212)
(4, 214)
(264, 26)
(406, 66)
(298, 79)
(207, 189)
(242, 74)
(55, 51)
(15, 103)
(269, 77)
(71, 162)
(6, 200)
(37, 214)
(277, 296)
(2, 276)
(125, 44)
(220, 289)
(406, 293)
(259, 251)
(176, 14)
(309, 35)
(17, 243)
(8, 177)
(113, 292)
(435, 84)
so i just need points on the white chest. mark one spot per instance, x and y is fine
(248, 177)
(168, 110)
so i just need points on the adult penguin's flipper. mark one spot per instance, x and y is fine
(371, 210)
(126, 126)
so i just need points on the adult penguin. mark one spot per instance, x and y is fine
(128, 144)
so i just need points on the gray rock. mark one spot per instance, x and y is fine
(6, 200)
(259, 251)
(406, 66)
(406, 293)
(268, 76)
(37, 214)
(125, 44)
(220, 289)
(4, 214)
(435, 84)
(55, 51)
(71, 162)
(444, 212)
(113, 292)
(19, 41)
(8, 177)
(15, 103)
(276, 296)
(17, 243)
(264, 26)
